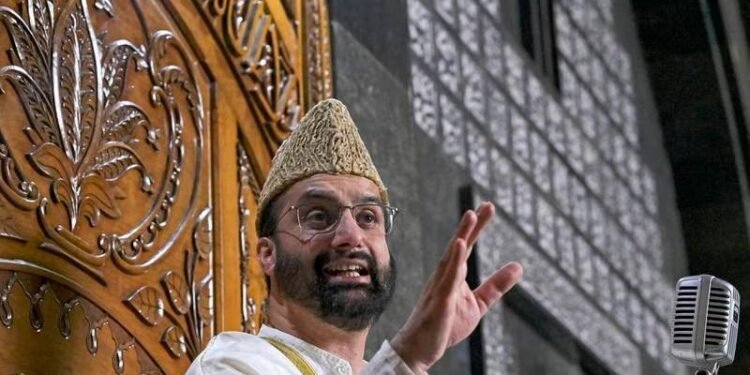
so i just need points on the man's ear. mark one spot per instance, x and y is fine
(267, 255)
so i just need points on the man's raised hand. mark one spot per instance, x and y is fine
(448, 310)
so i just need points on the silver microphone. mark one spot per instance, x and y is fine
(704, 323)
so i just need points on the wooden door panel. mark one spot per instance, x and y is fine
(134, 138)
(51, 327)
(105, 193)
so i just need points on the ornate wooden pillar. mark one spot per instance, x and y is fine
(134, 138)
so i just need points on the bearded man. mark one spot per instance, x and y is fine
(324, 218)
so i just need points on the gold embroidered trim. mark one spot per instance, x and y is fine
(292, 355)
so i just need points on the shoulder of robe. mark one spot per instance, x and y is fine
(239, 353)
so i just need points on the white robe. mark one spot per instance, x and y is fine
(235, 353)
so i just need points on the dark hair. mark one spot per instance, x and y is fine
(267, 220)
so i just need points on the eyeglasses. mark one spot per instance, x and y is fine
(320, 218)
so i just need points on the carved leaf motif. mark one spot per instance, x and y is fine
(206, 300)
(49, 160)
(115, 68)
(147, 302)
(174, 339)
(75, 78)
(122, 120)
(177, 290)
(114, 160)
(27, 53)
(35, 103)
(97, 197)
(105, 5)
(171, 75)
(61, 192)
(202, 237)
(40, 20)
(91, 213)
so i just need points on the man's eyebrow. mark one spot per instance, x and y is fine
(369, 199)
(327, 195)
(318, 194)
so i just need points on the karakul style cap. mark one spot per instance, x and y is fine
(325, 141)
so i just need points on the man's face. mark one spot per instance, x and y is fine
(342, 273)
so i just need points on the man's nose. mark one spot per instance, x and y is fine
(347, 234)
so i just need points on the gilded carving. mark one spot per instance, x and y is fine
(86, 141)
(248, 178)
(188, 318)
(147, 302)
(6, 310)
(203, 235)
(105, 5)
(23, 194)
(64, 322)
(36, 289)
(272, 79)
(248, 323)
(318, 49)
(70, 131)
(104, 163)
(174, 340)
(177, 290)
(168, 80)
(249, 189)
(36, 318)
(270, 64)
(200, 280)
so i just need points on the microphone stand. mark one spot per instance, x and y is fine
(713, 371)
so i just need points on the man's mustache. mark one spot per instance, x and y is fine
(332, 256)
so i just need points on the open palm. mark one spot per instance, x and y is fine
(448, 310)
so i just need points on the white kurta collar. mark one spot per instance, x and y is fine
(318, 358)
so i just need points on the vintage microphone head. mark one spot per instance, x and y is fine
(704, 323)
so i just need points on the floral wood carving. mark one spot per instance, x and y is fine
(79, 129)
(268, 41)
(200, 284)
(46, 305)
(86, 141)
(272, 78)
(187, 320)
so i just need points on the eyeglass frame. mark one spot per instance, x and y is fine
(387, 210)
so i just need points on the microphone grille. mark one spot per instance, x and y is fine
(718, 320)
(683, 328)
(705, 321)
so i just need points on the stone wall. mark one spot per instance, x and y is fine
(446, 97)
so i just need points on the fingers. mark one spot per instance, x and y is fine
(497, 285)
(471, 224)
(445, 286)
(465, 227)
(485, 213)
(455, 270)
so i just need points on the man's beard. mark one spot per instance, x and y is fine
(351, 307)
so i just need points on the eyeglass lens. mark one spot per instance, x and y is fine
(317, 218)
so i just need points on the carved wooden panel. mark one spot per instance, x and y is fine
(134, 138)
